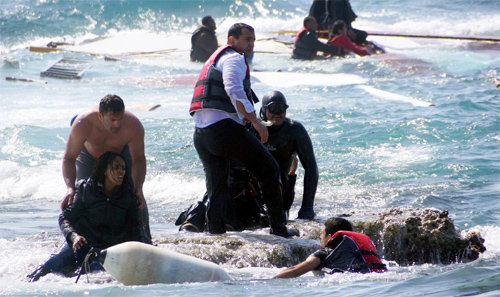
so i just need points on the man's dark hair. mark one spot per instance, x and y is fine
(337, 26)
(236, 30)
(111, 103)
(206, 20)
(335, 224)
(308, 20)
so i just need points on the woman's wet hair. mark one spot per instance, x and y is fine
(335, 224)
(112, 103)
(337, 26)
(102, 164)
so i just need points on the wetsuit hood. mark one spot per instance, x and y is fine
(271, 97)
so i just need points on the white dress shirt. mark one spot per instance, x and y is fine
(234, 69)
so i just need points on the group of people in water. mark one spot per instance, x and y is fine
(249, 160)
(331, 19)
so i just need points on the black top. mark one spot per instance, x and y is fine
(203, 44)
(326, 12)
(103, 221)
(288, 139)
(307, 44)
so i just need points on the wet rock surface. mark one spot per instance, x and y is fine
(405, 236)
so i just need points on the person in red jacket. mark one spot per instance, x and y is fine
(340, 39)
(342, 250)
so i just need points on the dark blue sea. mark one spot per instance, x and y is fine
(417, 127)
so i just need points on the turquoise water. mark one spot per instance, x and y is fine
(373, 153)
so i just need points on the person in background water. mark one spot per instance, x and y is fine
(203, 40)
(221, 107)
(103, 214)
(108, 128)
(327, 12)
(288, 139)
(339, 39)
(306, 44)
(342, 250)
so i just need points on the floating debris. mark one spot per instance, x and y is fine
(67, 68)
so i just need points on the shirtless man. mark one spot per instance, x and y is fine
(110, 128)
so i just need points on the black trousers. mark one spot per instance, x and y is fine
(227, 140)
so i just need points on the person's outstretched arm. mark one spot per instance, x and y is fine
(309, 264)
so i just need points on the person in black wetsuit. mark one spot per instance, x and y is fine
(327, 12)
(306, 44)
(288, 139)
(203, 40)
(103, 214)
(342, 250)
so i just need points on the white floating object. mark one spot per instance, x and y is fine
(136, 263)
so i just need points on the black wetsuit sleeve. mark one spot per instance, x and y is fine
(71, 213)
(289, 192)
(305, 153)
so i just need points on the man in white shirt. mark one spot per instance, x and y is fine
(222, 105)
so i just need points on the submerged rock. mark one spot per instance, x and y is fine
(406, 236)
(417, 236)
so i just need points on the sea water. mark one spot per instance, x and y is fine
(373, 153)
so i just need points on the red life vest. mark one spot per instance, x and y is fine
(363, 249)
(209, 90)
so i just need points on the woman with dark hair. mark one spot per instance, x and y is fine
(103, 214)
(340, 39)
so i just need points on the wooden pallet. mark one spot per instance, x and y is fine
(67, 68)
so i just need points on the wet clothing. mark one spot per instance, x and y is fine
(326, 12)
(306, 45)
(220, 136)
(84, 166)
(284, 141)
(216, 146)
(203, 44)
(103, 221)
(344, 43)
(246, 208)
(349, 251)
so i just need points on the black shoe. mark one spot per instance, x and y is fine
(37, 274)
(285, 232)
(189, 227)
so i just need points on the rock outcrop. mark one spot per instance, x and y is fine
(405, 236)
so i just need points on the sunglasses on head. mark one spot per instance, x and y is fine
(276, 108)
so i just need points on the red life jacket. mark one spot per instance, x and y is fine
(360, 249)
(209, 90)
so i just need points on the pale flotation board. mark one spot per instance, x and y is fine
(136, 263)
(67, 68)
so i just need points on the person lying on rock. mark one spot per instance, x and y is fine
(342, 250)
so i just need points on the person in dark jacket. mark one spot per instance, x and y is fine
(203, 40)
(306, 44)
(342, 250)
(103, 214)
(288, 139)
